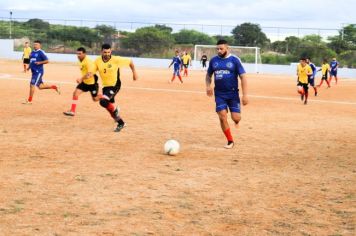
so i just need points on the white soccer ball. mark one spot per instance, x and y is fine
(171, 147)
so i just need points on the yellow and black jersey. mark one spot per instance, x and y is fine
(109, 70)
(87, 66)
(303, 73)
(26, 52)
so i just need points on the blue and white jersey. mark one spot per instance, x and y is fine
(177, 61)
(333, 65)
(226, 72)
(36, 56)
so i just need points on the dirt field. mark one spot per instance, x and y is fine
(291, 172)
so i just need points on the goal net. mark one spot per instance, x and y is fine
(250, 56)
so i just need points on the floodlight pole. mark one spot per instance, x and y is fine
(10, 24)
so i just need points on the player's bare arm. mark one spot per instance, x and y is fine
(134, 73)
(243, 79)
(209, 89)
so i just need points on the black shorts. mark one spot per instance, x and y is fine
(185, 65)
(325, 77)
(26, 61)
(305, 86)
(204, 63)
(92, 88)
(111, 91)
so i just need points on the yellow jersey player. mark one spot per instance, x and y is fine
(325, 69)
(187, 60)
(109, 71)
(303, 72)
(26, 56)
(87, 83)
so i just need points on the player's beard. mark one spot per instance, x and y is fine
(222, 55)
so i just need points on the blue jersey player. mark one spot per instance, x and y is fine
(37, 59)
(177, 65)
(226, 69)
(311, 78)
(334, 65)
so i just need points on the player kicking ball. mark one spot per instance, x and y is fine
(109, 71)
(227, 68)
(87, 83)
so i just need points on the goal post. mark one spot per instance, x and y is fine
(250, 56)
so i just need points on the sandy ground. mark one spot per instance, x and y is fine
(292, 171)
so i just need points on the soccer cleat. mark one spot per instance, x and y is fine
(305, 102)
(229, 145)
(69, 113)
(58, 89)
(119, 127)
(27, 102)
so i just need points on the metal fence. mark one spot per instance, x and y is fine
(273, 32)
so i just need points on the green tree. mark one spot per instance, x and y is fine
(248, 34)
(192, 37)
(106, 32)
(148, 40)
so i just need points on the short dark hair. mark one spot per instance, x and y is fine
(81, 49)
(37, 41)
(302, 59)
(105, 46)
(221, 41)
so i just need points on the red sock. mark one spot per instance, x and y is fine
(173, 78)
(228, 135)
(74, 103)
(180, 78)
(54, 87)
(328, 83)
(306, 96)
(321, 82)
(29, 99)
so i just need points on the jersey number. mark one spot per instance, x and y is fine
(105, 70)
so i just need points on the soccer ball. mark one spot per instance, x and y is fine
(300, 90)
(171, 147)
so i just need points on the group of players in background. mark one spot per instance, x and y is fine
(306, 72)
(225, 67)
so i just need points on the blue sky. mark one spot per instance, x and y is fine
(282, 13)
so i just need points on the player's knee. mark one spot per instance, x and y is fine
(236, 118)
(104, 102)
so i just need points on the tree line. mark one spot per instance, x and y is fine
(160, 40)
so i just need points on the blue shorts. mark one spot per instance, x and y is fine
(176, 71)
(228, 101)
(36, 79)
(333, 73)
(311, 81)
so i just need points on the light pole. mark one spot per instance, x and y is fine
(10, 23)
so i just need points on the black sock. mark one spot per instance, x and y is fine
(120, 122)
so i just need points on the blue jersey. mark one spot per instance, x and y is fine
(226, 72)
(313, 67)
(333, 65)
(36, 56)
(177, 61)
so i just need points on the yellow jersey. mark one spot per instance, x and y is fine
(324, 68)
(109, 70)
(303, 73)
(87, 66)
(186, 59)
(26, 52)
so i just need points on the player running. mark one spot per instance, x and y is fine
(37, 59)
(311, 78)
(334, 65)
(109, 70)
(187, 61)
(325, 69)
(177, 65)
(303, 72)
(226, 69)
(87, 83)
(26, 56)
